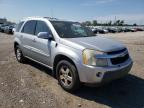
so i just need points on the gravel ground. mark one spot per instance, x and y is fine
(31, 85)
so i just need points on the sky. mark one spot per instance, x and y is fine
(132, 11)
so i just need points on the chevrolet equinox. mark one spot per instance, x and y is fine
(72, 51)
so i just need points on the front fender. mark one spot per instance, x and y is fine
(74, 54)
(16, 40)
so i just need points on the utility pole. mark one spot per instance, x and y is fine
(52, 13)
(115, 20)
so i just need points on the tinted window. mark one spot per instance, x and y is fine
(19, 26)
(67, 29)
(29, 27)
(41, 27)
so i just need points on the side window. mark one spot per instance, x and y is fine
(29, 27)
(41, 27)
(18, 27)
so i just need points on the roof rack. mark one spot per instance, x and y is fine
(31, 17)
(35, 17)
(51, 18)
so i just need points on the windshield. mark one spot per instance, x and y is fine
(67, 29)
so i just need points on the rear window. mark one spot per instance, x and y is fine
(18, 27)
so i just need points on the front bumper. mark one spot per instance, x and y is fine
(96, 75)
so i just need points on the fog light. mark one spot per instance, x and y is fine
(99, 74)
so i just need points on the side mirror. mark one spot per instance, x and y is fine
(45, 35)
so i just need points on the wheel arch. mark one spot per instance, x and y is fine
(58, 58)
(15, 44)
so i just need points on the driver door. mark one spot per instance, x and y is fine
(41, 47)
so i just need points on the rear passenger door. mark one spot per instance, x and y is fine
(27, 37)
(42, 47)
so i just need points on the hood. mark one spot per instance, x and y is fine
(96, 43)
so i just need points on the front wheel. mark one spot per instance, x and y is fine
(19, 56)
(67, 76)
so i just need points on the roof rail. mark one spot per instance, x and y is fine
(51, 18)
(35, 17)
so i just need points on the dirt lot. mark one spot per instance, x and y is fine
(31, 85)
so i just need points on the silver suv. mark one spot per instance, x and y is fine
(72, 51)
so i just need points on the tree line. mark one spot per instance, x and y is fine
(109, 23)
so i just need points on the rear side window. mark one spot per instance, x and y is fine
(19, 26)
(41, 27)
(29, 27)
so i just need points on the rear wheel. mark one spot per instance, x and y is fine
(19, 56)
(67, 76)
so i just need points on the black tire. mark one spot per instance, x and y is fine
(20, 58)
(75, 83)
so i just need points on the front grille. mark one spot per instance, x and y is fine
(119, 60)
(116, 52)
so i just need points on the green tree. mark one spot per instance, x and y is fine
(94, 22)
(87, 23)
(121, 22)
(109, 23)
(134, 24)
(117, 22)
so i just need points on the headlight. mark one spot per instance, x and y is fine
(89, 58)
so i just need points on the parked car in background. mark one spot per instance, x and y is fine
(131, 29)
(2, 27)
(95, 31)
(105, 30)
(13, 30)
(139, 29)
(119, 29)
(115, 29)
(9, 29)
(5, 29)
(72, 51)
(99, 30)
(112, 30)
